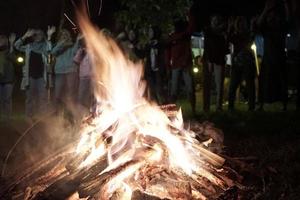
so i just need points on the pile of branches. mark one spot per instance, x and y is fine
(59, 177)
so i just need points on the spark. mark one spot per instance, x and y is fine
(68, 18)
(100, 8)
(88, 7)
(73, 3)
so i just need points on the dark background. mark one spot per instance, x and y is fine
(19, 15)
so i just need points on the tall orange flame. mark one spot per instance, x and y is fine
(130, 128)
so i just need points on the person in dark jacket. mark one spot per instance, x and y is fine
(272, 24)
(36, 48)
(215, 50)
(154, 64)
(7, 75)
(179, 58)
(243, 64)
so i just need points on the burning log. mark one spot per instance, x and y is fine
(137, 195)
(59, 176)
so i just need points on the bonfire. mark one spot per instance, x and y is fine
(130, 148)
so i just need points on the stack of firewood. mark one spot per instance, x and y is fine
(59, 177)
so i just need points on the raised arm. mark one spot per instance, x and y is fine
(269, 6)
(59, 47)
(76, 45)
(50, 31)
(11, 39)
(64, 42)
(19, 44)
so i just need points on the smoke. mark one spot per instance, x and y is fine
(48, 135)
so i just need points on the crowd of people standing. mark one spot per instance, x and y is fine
(37, 73)
(265, 81)
(168, 63)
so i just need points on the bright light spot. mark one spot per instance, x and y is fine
(196, 70)
(20, 59)
(288, 35)
(253, 47)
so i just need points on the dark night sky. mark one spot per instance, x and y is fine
(18, 15)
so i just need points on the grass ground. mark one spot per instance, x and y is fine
(271, 136)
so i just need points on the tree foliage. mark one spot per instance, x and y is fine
(160, 13)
